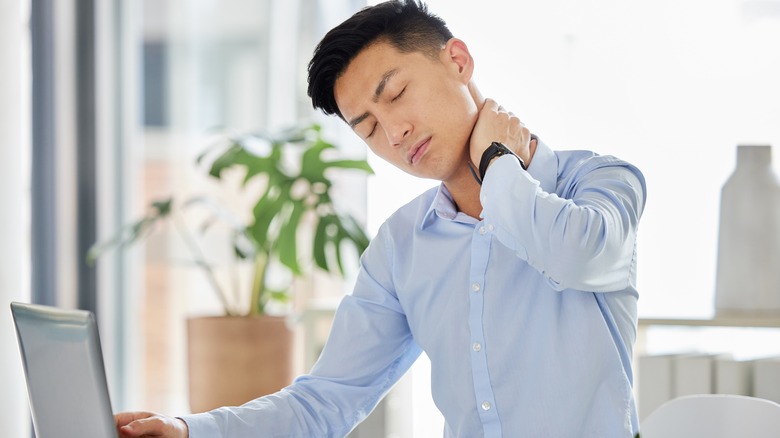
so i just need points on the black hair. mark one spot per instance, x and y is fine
(405, 24)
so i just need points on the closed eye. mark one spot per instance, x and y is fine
(373, 129)
(399, 95)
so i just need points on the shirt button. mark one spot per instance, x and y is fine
(485, 406)
(475, 287)
(491, 227)
(477, 346)
(482, 230)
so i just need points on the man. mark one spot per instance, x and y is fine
(516, 276)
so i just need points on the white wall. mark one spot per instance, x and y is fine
(14, 195)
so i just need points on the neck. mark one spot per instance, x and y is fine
(465, 192)
(476, 95)
(462, 186)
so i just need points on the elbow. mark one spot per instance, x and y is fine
(595, 253)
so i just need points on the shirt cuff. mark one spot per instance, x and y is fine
(201, 425)
(506, 169)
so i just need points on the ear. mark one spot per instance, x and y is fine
(456, 54)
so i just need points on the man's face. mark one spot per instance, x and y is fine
(413, 111)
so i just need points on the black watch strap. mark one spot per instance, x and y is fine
(495, 150)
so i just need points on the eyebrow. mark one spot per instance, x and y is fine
(382, 83)
(380, 88)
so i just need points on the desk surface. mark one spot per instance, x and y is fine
(716, 321)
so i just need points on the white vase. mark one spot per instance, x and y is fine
(748, 275)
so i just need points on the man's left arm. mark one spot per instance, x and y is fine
(581, 235)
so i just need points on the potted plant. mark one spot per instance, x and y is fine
(246, 352)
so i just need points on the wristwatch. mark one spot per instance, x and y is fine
(495, 150)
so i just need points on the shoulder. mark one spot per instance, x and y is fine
(576, 164)
(413, 212)
(397, 230)
(573, 160)
(408, 217)
(586, 171)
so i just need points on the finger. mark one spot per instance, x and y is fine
(125, 418)
(490, 105)
(151, 426)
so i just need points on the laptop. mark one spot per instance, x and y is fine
(63, 367)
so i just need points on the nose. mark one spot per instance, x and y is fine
(397, 129)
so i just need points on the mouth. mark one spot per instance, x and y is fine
(417, 151)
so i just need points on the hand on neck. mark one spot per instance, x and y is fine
(476, 95)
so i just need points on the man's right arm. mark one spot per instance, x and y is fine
(370, 346)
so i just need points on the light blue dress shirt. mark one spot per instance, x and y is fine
(528, 315)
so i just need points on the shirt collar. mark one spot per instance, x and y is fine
(442, 206)
(544, 159)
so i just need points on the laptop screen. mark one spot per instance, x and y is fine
(63, 365)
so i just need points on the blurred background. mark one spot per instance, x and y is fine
(105, 104)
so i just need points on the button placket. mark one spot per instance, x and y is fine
(483, 391)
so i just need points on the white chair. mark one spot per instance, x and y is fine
(713, 416)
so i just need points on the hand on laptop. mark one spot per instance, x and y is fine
(148, 424)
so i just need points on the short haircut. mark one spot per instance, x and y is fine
(405, 24)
